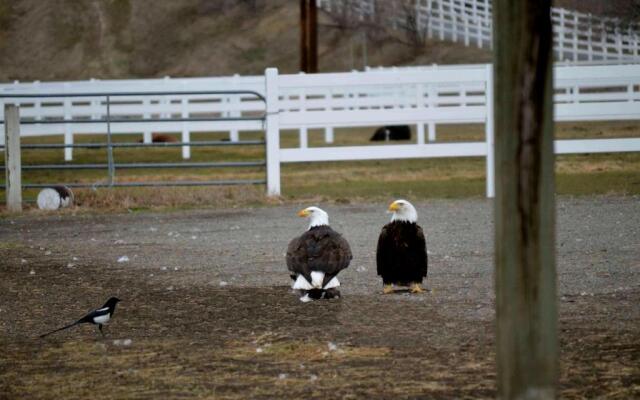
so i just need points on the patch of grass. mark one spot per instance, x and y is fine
(151, 368)
(328, 181)
(614, 182)
(310, 351)
(11, 245)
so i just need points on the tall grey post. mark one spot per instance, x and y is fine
(525, 275)
(272, 132)
(13, 179)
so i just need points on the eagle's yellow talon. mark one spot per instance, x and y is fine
(416, 288)
(387, 289)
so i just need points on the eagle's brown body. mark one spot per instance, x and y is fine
(318, 249)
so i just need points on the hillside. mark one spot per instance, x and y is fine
(81, 39)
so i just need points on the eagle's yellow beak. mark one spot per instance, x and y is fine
(303, 213)
(394, 206)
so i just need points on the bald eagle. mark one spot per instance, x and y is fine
(315, 258)
(401, 256)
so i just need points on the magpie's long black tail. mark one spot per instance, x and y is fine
(60, 329)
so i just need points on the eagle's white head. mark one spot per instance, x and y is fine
(403, 211)
(317, 216)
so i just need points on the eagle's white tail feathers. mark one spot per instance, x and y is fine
(301, 284)
(317, 278)
(333, 283)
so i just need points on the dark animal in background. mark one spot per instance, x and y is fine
(392, 132)
(161, 138)
(66, 195)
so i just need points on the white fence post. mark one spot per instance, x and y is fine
(441, 22)
(68, 133)
(13, 188)
(2, 107)
(432, 131)
(328, 134)
(146, 134)
(304, 137)
(328, 131)
(186, 134)
(272, 132)
(234, 103)
(590, 43)
(428, 14)
(560, 28)
(575, 37)
(420, 132)
(489, 134)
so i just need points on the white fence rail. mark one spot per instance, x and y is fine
(146, 107)
(431, 96)
(578, 37)
(424, 97)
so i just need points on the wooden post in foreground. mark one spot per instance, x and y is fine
(13, 181)
(525, 277)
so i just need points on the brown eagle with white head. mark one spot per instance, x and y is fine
(401, 256)
(315, 258)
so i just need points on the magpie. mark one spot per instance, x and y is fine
(98, 317)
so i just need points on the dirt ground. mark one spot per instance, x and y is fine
(207, 312)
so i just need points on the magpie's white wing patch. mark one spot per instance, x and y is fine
(101, 319)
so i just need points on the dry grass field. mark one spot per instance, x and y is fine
(336, 181)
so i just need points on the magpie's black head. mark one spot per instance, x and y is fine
(112, 302)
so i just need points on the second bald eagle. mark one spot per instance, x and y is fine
(401, 256)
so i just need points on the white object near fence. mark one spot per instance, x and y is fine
(53, 198)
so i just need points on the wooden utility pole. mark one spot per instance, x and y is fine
(13, 181)
(525, 277)
(308, 36)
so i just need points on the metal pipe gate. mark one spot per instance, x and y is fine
(111, 165)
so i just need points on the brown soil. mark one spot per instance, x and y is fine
(208, 313)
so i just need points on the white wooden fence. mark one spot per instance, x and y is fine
(420, 96)
(578, 37)
(430, 96)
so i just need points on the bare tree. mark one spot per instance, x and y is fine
(343, 14)
(412, 25)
